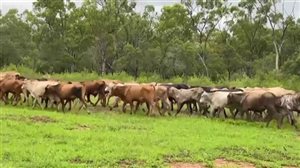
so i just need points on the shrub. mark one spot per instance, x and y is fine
(271, 79)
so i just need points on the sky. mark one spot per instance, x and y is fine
(22, 5)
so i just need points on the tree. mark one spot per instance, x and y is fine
(15, 42)
(279, 26)
(205, 16)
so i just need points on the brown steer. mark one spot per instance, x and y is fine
(257, 102)
(68, 92)
(138, 93)
(11, 86)
(95, 88)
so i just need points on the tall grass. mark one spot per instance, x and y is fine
(271, 79)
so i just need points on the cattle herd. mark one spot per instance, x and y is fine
(257, 103)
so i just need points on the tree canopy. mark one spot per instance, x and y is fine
(201, 38)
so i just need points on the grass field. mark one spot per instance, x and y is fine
(35, 138)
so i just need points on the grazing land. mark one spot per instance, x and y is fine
(102, 138)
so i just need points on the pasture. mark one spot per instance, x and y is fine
(103, 138)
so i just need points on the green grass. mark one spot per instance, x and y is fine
(35, 138)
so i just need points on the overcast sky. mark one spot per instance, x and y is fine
(22, 5)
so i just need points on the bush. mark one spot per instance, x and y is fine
(271, 79)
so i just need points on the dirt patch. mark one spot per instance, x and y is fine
(43, 119)
(186, 165)
(125, 163)
(34, 119)
(79, 160)
(14, 117)
(80, 127)
(298, 137)
(229, 163)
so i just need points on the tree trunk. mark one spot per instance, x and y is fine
(103, 67)
(204, 64)
(277, 56)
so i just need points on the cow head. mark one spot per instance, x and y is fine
(172, 91)
(205, 98)
(51, 89)
(234, 98)
(298, 101)
(19, 77)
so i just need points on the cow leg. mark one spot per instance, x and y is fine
(224, 111)
(179, 107)
(34, 102)
(232, 111)
(103, 100)
(214, 112)
(62, 105)
(148, 109)
(279, 118)
(204, 109)
(88, 98)
(190, 108)
(39, 100)
(97, 101)
(17, 99)
(268, 119)
(235, 114)
(136, 107)
(46, 102)
(2, 97)
(123, 108)
(83, 103)
(166, 106)
(70, 105)
(271, 111)
(117, 99)
(131, 107)
(108, 97)
(162, 104)
(293, 120)
(172, 105)
(156, 104)
(5, 98)
(196, 106)
(14, 100)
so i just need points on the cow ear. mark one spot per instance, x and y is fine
(47, 87)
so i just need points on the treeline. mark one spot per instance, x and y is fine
(192, 38)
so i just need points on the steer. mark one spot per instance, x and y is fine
(37, 90)
(109, 85)
(139, 93)
(66, 92)
(217, 100)
(258, 102)
(182, 96)
(161, 93)
(95, 88)
(177, 86)
(11, 75)
(11, 86)
(277, 91)
(108, 90)
(291, 102)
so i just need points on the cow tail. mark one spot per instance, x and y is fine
(153, 86)
(83, 91)
(78, 91)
